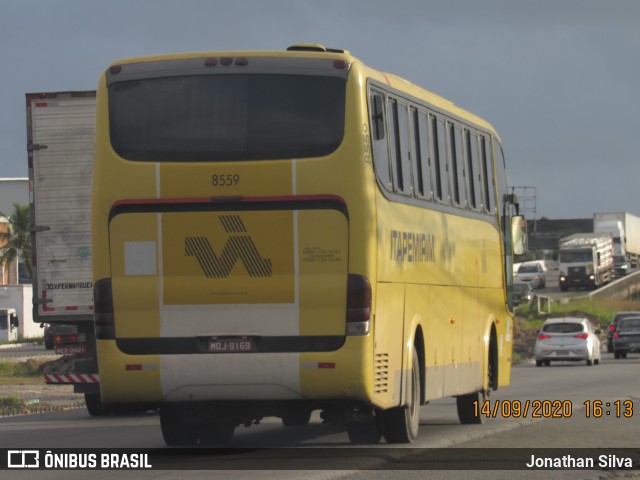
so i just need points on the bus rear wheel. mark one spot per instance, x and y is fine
(216, 433)
(365, 433)
(468, 408)
(401, 424)
(177, 425)
(94, 404)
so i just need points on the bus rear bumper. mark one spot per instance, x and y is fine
(235, 376)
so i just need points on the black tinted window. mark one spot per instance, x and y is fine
(563, 328)
(227, 117)
(630, 324)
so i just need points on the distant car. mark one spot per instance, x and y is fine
(611, 329)
(531, 273)
(627, 337)
(567, 339)
(50, 331)
(522, 293)
(621, 265)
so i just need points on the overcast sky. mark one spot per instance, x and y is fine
(558, 79)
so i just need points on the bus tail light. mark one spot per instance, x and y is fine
(103, 308)
(358, 305)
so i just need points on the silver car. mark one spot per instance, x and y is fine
(567, 339)
(531, 273)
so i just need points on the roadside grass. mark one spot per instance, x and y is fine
(599, 311)
(11, 406)
(38, 340)
(603, 309)
(17, 373)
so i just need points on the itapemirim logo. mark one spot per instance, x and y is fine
(239, 246)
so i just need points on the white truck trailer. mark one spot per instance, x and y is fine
(60, 139)
(585, 260)
(625, 230)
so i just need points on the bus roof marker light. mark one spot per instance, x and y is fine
(340, 64)
(226, 61)
(242, 61)
(210, 62)
(115, 69)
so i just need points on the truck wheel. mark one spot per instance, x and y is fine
(401, 424)
(94, 404)
(178, 427)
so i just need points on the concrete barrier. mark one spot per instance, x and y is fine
(624, 288)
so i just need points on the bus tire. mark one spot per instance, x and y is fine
(94, 404)
(468, 406)
(216, 433)
(364, 433)
(296, 418)
(177, 429)
(401, 424)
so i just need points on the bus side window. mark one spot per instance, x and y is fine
(379, 141)
(420, 155)
(438, 140)
(405, 149)
(457, 165)
(501, 175)
(377, 117)
(487, 174)
(414, 142)
(473, 176)
(425, 155)
(398, 140)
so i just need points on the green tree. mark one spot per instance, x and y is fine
(19, 238)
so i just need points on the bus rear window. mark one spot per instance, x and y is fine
(227, 117)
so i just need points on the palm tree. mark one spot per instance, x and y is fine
(16, 239)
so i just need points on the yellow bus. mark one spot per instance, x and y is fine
(282, 232)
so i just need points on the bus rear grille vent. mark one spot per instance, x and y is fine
(381, 373)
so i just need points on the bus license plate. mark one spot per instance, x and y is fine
(230, 345)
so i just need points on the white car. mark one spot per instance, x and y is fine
(567, 339)
(531, 273)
